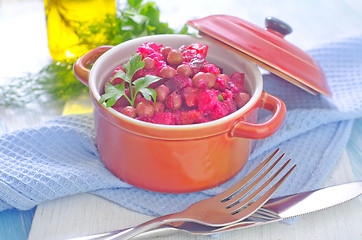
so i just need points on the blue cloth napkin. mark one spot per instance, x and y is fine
(354, 149)
(60, 158)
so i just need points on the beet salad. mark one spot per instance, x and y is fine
(165, 85)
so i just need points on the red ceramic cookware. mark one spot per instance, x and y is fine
(178, 158)
(267, 47)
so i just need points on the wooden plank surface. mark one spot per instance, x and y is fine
(85, 214)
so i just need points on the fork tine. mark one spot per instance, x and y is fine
(265, 213)
(235, 188)
(235, 198)
(264, 216)
(254, 206)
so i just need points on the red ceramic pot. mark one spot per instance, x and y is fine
(177, 159)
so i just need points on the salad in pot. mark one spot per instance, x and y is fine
(209, 148)
(174, 86)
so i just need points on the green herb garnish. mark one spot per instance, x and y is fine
(113, 93)
(137, 19)
(56, 81)
(220, 97)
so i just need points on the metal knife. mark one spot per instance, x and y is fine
(276, 209)
(302, 203)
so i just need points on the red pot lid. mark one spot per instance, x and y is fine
(267, 47)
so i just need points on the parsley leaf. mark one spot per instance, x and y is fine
(114, 92)
(133, 65)
(141, 85)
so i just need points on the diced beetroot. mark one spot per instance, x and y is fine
(202, 119)
(206, 100)
(216, 91)
(142, 73)
(163, 118)
(198, 48)
(190, 94)
(230, 105)
(237, 77)
(210, 68)
(218, 111)
(157, 56)
(228, 100)
(176, 117)
(144, 118)
(232, 87)
(146, 49)
(182, 48)
(187, 82)
(189, 117)
(121, 103)
(227, 94)
(196, 65)
(118, 108)
(178, 83)
(190, 54)
(238, 80)
(159, 64)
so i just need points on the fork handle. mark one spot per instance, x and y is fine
(163, 230)
(146, 226)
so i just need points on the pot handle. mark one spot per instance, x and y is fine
(262, 130)
(81, 66)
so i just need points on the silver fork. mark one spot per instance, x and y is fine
(260, 217)
(229, 207)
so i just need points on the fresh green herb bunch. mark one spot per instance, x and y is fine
(113, 93)
(137, 19)
(57, 82)
(54, 82)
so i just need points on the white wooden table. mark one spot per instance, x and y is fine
(313, 22)
(85, 214)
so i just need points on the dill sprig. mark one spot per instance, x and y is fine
(54, 82)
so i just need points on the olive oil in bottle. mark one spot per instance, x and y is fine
(72, 26)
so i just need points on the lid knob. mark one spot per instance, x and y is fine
(277, 26)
